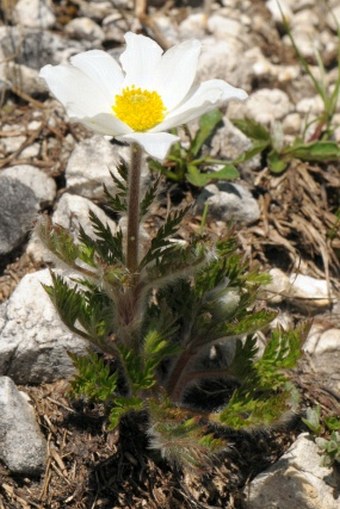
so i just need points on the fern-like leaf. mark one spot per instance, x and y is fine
(182, 437)
(118, 201)
(93, 379)
(108, 246)
(149, 197)
(68, 301)
(123, 405)
(161, 240)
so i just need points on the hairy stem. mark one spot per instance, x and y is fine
(133, 208)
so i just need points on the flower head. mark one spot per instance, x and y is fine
(141, 98)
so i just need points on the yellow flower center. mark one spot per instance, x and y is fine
(139, 109)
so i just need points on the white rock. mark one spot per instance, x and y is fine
(280, 9)
(34, 13)
(23, 447)
(310, 105)
(323, 347)
(95, 10)
(114, 27)
(279, 287)
(320, 340)
(224, 28)
(267, 105)
(292, 124)
(299, 5)
(33, 341)
(43, 187)
(24, 78)
(90, 165)
(219, 58)
(11, 144)
(306, 39)
(193, 26)
(30, 152)
(72, 211)
(309, 291)
(167, 28)
(296, 480)
(85, 28)
(333, 18)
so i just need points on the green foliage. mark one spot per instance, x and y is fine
(160, 245)
(278, 158)
(181, 436)
(312, 419)
(123, 405)
(329, 96)
(153, 331)
(118, 202)
(264, 393)
(190, 163)
(328, 427)
(319, 146)
(330, 449)
(94, 380)
(108, 246)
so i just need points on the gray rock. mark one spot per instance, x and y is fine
(193, 26)
(23, 447)
(33, 340)
(90, 165)
(94, 10)
(220, 58)
(44, 187)
(114, 27)
(18, 210)
(323, 348)
(229, 202)
(267, 105)
(34, 13)
(229, 143)
(296, 480)
(85, 28)
(72, 211)
(22, 77)
(35, 48)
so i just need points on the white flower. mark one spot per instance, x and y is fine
(139, 100)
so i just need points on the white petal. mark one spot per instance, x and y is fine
(206, 97)
(77, 92)
(176, 72)
(156, 145)
(101, 68)
(107, 124)
(139, 60)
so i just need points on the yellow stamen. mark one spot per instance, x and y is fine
(139, 109)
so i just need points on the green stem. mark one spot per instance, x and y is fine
(133, 209)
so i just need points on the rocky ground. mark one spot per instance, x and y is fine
(56, 453)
